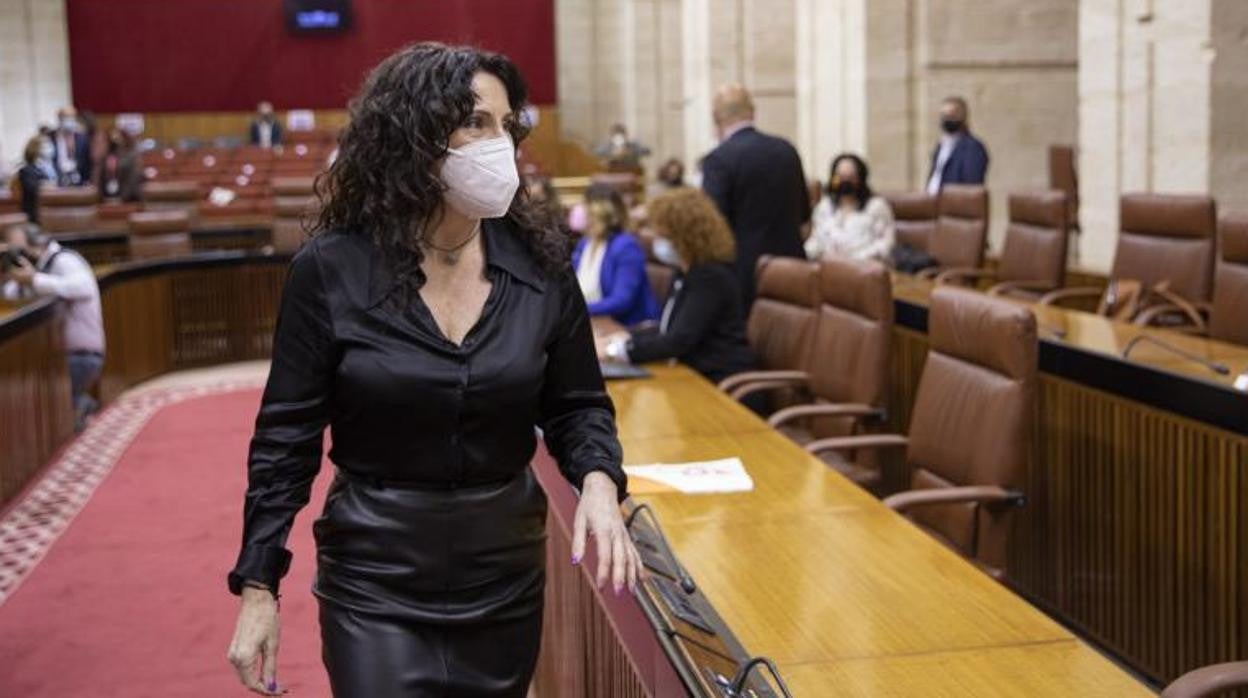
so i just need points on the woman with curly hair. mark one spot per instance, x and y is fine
(432, 321)
(702, 324)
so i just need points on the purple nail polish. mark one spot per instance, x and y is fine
(576, 559)
(272, 686)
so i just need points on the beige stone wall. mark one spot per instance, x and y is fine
(34, 70)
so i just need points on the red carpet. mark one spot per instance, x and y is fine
(131, 600)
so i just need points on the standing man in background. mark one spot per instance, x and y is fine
(265, 131)
(959, 157)
(757, 182)
(71, 150)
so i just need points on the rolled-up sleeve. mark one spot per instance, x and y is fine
(577, 416)
(285, 451)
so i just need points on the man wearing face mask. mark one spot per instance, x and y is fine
(71, 150)
(266, 132)
(619, 152)
(959, 157)
(39, 266)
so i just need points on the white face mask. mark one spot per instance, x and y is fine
(46, 151)
(481, 177)
(665, 252)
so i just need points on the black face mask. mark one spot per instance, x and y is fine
(847, 189)
(951, 126)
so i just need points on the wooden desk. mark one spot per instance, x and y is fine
(1135, 529)
(808, 569)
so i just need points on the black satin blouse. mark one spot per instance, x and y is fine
(406, 405)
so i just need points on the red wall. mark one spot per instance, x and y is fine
(225, 55)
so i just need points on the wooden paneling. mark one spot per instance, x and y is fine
(158, 317)
(36, 414)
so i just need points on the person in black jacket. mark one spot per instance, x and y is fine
(703, 322)
(959, 157)
(265, 131)
(30, 176)
(758, 183)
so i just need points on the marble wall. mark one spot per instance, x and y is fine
(34, 70)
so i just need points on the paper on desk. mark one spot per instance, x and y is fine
(705, 477)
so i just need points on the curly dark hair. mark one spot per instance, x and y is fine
(384, 182)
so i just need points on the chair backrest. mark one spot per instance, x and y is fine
(850, 359)
(962, 226)
(158, 234)
(1036, 239)
(1228, 320)
(1167, 237)
(172, 196)
(783, 315)
(914, 216)
(973, 414)
(1064, 178)
(8, 220)
(289, 213)
(68, 209)
(293, 186)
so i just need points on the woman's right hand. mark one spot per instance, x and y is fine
(253, 651)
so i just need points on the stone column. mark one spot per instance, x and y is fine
(34, 70)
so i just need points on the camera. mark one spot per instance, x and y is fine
(10, 259)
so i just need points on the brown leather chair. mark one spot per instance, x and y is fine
(172, 196)
(659, 275)
(1228, 318)
(961, 229)
(848, 367)
(780, 323)
(1208, 681)
(160, 234)
(971, 428)
(1034, 259)
(8, 220)
(914, 216)
(1166, 248)
(294, 201)
(68, 209)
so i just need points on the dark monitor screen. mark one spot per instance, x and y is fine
(318, 16)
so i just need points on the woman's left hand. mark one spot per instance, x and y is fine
(598, 514)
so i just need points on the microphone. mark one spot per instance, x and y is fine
(736, 689)
(682, 577)
(1214, 366)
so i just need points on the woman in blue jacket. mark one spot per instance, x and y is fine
(610, 263)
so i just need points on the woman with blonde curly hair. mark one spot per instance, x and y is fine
(703, 323)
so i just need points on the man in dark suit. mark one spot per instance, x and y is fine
(71, 150)
(757, 182)
(265, 131)
(959, 157)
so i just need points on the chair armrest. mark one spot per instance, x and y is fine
(789, 414)
(1061, 294)
(737, 380)
(1174, 303)
(1008, 286)
(1208, 680)
(961, 274)
(851, 443)
(984, 494)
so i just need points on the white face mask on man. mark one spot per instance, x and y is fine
(481, 178)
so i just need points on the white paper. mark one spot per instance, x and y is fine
(704, 477)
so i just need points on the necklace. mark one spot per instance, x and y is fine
(450, 255)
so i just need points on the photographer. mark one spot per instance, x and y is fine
(36, 265)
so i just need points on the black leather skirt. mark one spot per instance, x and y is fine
(430, 592)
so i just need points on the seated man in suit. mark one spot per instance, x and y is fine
(959, 157)
(757, 182)
(265, 131)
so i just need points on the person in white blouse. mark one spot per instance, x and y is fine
(850, 220)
